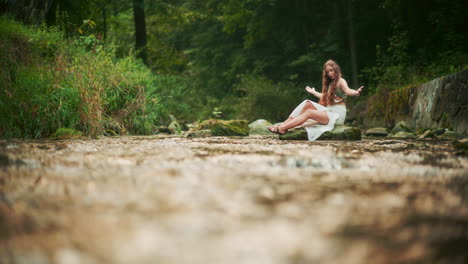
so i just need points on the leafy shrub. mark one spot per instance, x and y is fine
(52, 82)
(395, 67)
(175, 97)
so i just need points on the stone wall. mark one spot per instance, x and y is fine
(440, 103)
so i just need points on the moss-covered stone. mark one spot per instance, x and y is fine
(450, 135)
(400, 127)
(163, 130)
(377, 132)
(109, 133)
(175, 127)
(439, 131)
(461, 146)
(259, 127)
(66, 133)
(427, 134)
(337, 133)
(199, 133)
(389, 105)
(225, 127)
(435, 104)
(342, 133)
(403, 134)
(295, 134)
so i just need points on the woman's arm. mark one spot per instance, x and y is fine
(344, 86)
(313, 92)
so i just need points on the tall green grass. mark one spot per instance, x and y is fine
(49, 82)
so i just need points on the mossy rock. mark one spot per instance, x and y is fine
(66, 133)
(377, 132)
(175, 127)
(199, 133)
(110, 133)
(461, 146)
(339, 132)
(163, 130)
(225, 127)
(259, 127)
(403, 134)
(439, 131)
(427, 134)
(400, 127)
(295, 134)
(342, 133)
(450, 135)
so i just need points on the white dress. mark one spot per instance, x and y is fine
(336, 115)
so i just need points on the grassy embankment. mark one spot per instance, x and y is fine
(51, 82)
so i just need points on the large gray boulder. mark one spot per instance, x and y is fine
(440, 103)
(339, 132)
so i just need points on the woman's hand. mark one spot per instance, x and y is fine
(359, 90)
(310, 90)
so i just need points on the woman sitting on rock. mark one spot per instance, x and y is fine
(331, 109)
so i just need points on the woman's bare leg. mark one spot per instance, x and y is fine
(308, 105)
(319, 116)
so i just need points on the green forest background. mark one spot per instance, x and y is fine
(107, 67)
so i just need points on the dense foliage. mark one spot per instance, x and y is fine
(49, 82)
(246, 58)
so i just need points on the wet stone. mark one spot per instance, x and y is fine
(259, 127)
(427, 134)
(176, 200)
(339, 132)
(402, 134)
(199, 133)
(450, 135)
(377, 132)
(400, 127)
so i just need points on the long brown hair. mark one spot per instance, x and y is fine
(328, 84)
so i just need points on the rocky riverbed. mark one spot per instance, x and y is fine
(163, 199)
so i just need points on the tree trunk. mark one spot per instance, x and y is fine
(51, 12)
(104, 21)
(140, 28)
(352, 44)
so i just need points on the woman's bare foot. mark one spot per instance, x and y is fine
(276, 129)
(280, 130)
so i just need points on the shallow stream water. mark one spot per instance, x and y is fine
(153, 199)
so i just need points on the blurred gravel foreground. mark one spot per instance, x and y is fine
(232, 200)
